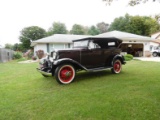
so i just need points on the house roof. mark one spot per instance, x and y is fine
(156, 35)
(95, 38)
(125, 36)
(58, 38)
(68, 38)
(156, 41)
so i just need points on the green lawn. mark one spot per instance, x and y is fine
(134, 94)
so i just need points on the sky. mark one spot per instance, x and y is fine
(18, 14)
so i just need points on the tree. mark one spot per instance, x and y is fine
(77, 30)
(157, 17)
(57, 28)
(131, 2)
(29, 34)
(141, 25)
(102, 27)
(18, 47)
(121, 23)
(93, 30)
(8, 46)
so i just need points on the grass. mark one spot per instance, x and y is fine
(131, 95)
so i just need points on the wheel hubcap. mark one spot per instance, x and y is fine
(66, 74)
(117, 67)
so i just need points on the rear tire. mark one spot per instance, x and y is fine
(65, 74)
(117, 66)
(154, 54)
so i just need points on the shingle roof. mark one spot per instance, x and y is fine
(67, 38)
(156, 41)
(125, 36)
(58, 38)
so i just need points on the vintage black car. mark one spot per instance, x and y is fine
(90, 54)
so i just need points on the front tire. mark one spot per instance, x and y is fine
(117, 66)
(65, 74)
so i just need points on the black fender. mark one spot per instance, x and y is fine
(76, 64)
(120, 57)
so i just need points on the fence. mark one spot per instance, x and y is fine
(6, 55)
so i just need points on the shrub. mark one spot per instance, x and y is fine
(17, 55)
(128, 57)
(34, 58)
(40, 54)
(21, 59)
(30, 55)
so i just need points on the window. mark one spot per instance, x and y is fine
(93, 45)
(112, 44)
(81, 43)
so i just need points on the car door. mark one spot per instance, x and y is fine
(92, 57)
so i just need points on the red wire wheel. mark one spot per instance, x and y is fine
(65, 74)
(117, 66)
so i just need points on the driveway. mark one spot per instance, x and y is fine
(155, 59)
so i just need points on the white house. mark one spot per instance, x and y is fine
(156, 35)
(133, 44)
(155, 43)
(56, 41)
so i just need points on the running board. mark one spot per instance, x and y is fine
(98, 69)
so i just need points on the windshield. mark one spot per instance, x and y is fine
(80, 43)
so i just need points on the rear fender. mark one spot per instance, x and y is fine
(120, 57)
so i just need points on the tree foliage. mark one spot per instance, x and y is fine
(157, 17)
(140, 25)
(18, 47)
(77, 29)
(102, 27)
(93, 30)
(57, 28)
(8, 46)
(131, 2)
(29, 34)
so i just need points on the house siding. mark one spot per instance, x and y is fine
(40, 47)
(47, 48)
(59, 46)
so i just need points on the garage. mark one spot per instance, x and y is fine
(137, 45)
(134, 49)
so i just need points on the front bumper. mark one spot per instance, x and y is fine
(44, 73)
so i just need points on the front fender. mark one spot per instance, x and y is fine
(76, 64)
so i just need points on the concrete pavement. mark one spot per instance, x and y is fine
(155, 59)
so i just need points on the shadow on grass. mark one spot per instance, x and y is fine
(84, 76)
(89, 76)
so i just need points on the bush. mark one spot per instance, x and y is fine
(40, 54)
(30, 55)
(21, 59)
(128, 57)
(17, 55)
(34, 58)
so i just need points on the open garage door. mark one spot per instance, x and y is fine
(134, 49)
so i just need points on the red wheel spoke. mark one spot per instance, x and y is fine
(66, 74)
(117, 66)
